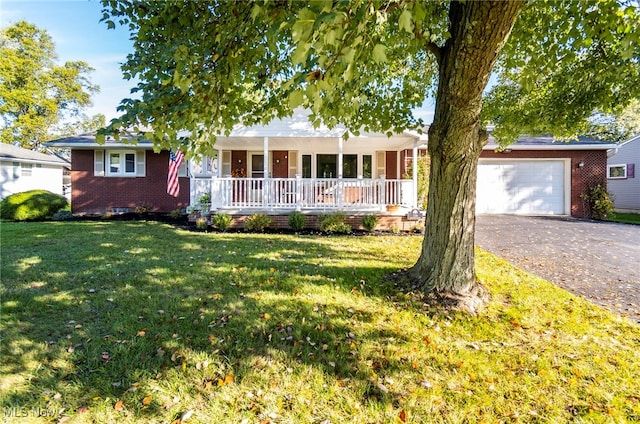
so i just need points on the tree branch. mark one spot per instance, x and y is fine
(434, 49)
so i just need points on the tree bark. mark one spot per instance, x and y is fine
(446, 267)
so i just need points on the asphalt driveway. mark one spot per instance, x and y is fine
(599, 261)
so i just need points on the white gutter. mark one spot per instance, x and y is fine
(43, 162)
(557, 146)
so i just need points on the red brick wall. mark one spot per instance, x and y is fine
(594, 171)
(406, 160)
(96, 195)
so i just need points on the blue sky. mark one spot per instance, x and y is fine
(75, 27)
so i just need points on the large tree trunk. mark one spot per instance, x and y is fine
(446, 267)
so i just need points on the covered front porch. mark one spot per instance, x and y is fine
(319, 194)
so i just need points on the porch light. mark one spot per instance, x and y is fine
(581, 164)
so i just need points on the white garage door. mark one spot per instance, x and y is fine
(521, 187)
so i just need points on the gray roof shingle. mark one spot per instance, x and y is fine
(11, 152)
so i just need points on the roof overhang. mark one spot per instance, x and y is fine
(555, 146)
(61, 162)
(88, 141)
(545, 142)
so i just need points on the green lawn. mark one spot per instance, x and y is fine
(142, 322)
(626, 218)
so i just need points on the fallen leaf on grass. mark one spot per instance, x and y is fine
(118, 406)
(228, 379)
(403, 416)
(147, 400)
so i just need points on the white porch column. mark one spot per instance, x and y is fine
(340, 158)
(415, 176)
(339, 171)
(265, 173)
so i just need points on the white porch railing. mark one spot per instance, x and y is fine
(303, 193)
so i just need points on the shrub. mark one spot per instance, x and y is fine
(257, 222)
(142, 210)
(175, 214)
(32, 205)
(335, 223)
(205, 200)
(62, 215)
(369, 222)
(202, 223)
(599, 202)
(296, 221)
(221, 221)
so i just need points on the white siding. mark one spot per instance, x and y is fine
(626, 191)
(43, 177)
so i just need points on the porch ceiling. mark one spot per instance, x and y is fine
(353, 144)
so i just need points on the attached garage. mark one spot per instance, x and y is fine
(530, 187)
(540, 176)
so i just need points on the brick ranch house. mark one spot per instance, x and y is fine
(288, 165)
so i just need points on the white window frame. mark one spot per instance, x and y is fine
(201, 166)
(138, 163)
(26, 169)
(618, 165)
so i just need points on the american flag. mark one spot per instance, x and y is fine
(173, 185)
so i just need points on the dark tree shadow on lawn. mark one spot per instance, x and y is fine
(106, 306)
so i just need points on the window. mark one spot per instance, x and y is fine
(203, 166)
(349, 166)
(306, 166)
(367, 164)
(617, 171)
(327, 166)
(26, 169)
(121, 163)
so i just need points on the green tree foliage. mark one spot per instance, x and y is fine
(565, 61)
(35, 93)
(205, 66)
(423, 163)
(618, 126)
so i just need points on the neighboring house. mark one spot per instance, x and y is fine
(622, 182)
(289, 165)
(23, 170)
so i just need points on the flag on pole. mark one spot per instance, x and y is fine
(173, 185)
